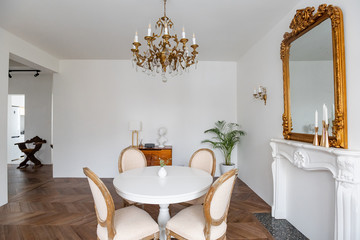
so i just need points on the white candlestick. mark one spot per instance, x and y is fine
(316, 118)
(183, 33)
(325, 114)
(149, 30)
(136, 39)
(166, 29)
(193, 39)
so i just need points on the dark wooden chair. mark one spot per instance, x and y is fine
(30, 152)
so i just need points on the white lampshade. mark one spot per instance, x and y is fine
(135, 125)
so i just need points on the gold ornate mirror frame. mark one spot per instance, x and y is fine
(303, 21)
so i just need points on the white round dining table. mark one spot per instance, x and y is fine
(143, 185)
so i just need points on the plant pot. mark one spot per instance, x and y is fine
(225, 168)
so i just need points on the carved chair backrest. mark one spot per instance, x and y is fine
(204, 159)
(217, 201)
(130, 158)
(104, 204)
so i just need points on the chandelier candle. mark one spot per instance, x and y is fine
(165, 53)
(136, 38)
(149, 30)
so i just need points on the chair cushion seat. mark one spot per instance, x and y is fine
(130, 223)
(190, 224)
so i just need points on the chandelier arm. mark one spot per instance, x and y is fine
(161, 26)
(140, 59)
(176, 41)
(152, 45)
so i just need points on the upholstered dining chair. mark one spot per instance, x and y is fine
(125, 223)
(203, 159)
(131, 158)
(208, 221)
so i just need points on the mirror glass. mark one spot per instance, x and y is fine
(312, 79)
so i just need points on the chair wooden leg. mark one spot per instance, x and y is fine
(168, 236)
(126, 204)
(157, 236)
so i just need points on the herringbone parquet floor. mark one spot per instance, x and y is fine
(41, 207)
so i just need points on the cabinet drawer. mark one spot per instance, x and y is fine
(153, 156)
(156, 161)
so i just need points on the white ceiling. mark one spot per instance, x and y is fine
(104, 29)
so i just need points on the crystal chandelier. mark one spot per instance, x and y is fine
(164, 52)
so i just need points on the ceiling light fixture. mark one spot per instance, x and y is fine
(166, 55)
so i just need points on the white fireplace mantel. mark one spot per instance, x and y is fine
(344, 166)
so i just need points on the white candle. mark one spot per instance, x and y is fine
(316, 118)
(193, 38)
(136, 39)
(149, 30)
(166, 29)
(325, 114)
(260, 90)
(255, 91)
(183, 33)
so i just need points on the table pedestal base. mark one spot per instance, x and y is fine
(163, 218)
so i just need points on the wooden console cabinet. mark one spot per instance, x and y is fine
(153, 155)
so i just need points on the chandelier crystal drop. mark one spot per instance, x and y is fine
(165, 53)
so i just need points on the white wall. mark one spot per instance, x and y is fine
(262, 65)
(4, 67)
(38, 93)
(94, 100)
(10, 44)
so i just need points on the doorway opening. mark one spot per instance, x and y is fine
(29, 119)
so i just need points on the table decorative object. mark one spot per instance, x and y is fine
(162, 139)
(316, 137)
(162, 171)
(325, 134)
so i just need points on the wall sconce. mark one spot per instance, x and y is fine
(135, 127)
(260, 94)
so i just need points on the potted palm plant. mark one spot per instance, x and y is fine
(226, 136)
